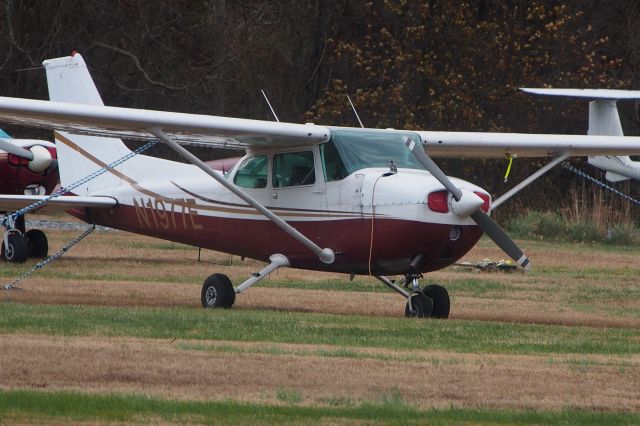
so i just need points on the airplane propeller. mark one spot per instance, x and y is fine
(466, 203)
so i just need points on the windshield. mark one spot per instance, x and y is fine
(361, 149)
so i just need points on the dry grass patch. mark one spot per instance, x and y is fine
(463, 380)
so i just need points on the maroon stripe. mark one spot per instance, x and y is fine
(395, 241)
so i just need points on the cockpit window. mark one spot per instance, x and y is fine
(361, 149)
(293, 169)
(252, 173)
(332, 164)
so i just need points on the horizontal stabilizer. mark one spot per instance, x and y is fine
(11, 203)
(586, 93)
(614, 177)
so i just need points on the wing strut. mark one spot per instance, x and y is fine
(325, 254)
(519, 187)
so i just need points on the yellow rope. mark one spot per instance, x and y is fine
(506, 174)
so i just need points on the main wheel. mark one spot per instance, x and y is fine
(16, 250)
(421, 306)
(217, 292)
(37, 242)
(441, 301)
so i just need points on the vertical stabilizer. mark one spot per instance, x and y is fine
(69, 80)
(604, 120)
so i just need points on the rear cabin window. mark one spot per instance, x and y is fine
(252, 173)
(293, 169)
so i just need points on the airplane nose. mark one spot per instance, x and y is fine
(467, 204)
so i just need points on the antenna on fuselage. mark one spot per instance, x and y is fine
(270, 107)
(355, 112)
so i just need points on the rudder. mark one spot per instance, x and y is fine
(69, 80)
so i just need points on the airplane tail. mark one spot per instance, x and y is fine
(604, 120)
(69, 80)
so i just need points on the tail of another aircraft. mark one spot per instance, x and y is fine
(603, 121)
(69, 80)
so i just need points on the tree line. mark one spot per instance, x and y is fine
(433, 65)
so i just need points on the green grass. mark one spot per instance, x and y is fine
(307, 328)
(553, 227)
(32, 406)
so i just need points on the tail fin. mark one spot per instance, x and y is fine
(69, 80)
(604, 120)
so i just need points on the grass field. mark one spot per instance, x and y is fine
(114, 332)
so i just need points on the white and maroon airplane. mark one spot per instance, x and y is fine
(356, 201)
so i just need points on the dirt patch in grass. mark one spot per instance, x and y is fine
(122, 269)
(384, 303)
(441, 379)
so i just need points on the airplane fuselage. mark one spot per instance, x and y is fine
(375, 221)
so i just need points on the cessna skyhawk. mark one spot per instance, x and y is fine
(351, 200)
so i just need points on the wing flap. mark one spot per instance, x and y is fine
(224, 132)
(11, 203)
(496, 145)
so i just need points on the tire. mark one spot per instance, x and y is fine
(422, 306)
(441, 301)
(17, 250)
(217, 292)
(37, 242)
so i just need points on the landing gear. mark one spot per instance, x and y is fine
(431, 302)
(14, 248)
(37, 242)
(21, 244)
(217, 292)
(419, 306)
(441, 301)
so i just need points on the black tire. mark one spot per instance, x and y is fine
(37, 242)
(17, 250)
(217, 292)
(441, 301)
(421, 304)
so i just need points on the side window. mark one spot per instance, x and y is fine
(332, 164)
(293, 169)
(252, 173)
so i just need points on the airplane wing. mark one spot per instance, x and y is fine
(132, 123)
(11, 203)
(225, 132)
(479, 144)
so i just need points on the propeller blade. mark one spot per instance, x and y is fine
(501, 238)
(488, 225)
(433, 168)
(14, 149)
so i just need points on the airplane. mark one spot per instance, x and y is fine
(30, 167)
(357, 201)
(603, 120)
(27, 166)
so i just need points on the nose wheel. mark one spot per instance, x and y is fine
(18, 244)
(418, 306)
(14, 248)
(441, 302)
(430, 302)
